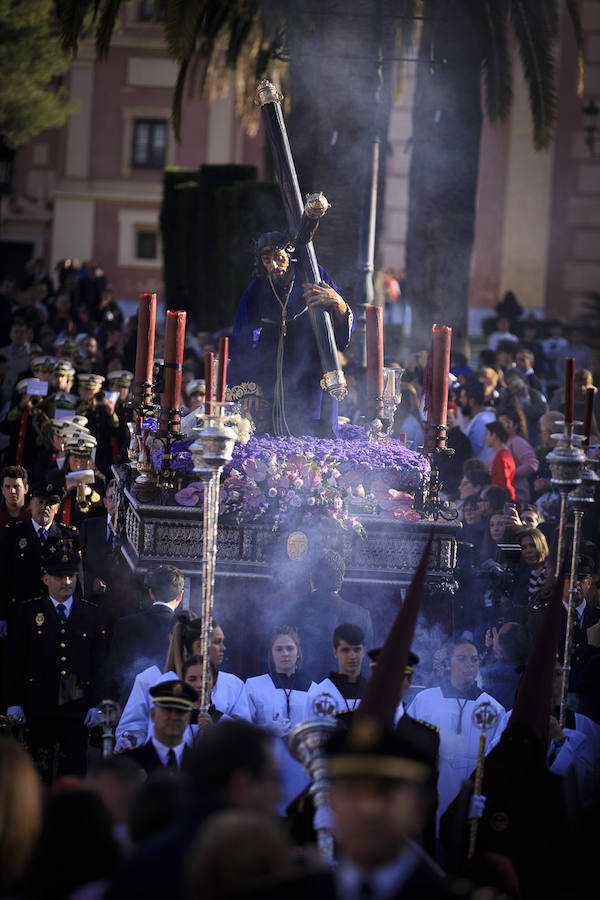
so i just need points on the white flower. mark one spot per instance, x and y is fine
(298, 483)
(338, 503)
(311, 501)
(272, 492)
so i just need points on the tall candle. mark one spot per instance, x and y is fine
(222, 375)
(437, 414)
(174, 347)
(374, 317)
(209, 382)
(144, 356)
(590, 394)
(569, 390)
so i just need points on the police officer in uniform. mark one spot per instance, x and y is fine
(170, 714)
(121, 381)
(82, 501)
(103, 421)
(23, 544)
(56, 657)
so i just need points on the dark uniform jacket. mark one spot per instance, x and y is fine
(21, 562)
(55, 667)
(139, 641)
(147, 758)
(424, 883)
(97, 551)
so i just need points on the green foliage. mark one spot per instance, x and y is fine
(209, 217)
(31, 66)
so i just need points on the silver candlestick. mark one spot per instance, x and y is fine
(579, 500)
(307, 743)
(566, 462)
(211, 450)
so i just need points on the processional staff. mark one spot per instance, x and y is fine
(484, 717)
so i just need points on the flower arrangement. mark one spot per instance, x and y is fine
(286, 479)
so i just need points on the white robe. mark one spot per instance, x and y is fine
(228, 697)
(268, 709)
(458, 752)
(328, 687)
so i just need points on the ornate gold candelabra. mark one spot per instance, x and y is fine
(211, 450)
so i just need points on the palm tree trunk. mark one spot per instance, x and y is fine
(447, 123)
(333, 82)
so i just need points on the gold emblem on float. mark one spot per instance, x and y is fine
(297, 545)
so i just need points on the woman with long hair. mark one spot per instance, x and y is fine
(227, 695)
(278, 701)
(534, 569)
(526, 462)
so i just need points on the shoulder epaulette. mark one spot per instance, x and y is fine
(30, 600)
(88, 602)
(428, 724)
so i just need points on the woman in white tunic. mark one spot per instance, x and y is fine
(277, 702)
(450, 708)
(228, 694)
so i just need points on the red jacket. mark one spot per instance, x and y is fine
(503, 472)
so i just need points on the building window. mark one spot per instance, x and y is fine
(146, 243)
(149, 143)
(148, 12)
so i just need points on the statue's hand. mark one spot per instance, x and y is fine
(324, 295)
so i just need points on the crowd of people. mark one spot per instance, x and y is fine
(202, 797)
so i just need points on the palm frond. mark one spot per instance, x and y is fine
(575, 16)
(181, 26)
(106, 26)
(71, 15)
(536, 49)
(490, 22)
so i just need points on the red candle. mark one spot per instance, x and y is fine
(222, 374)
(437, 412)
(569, 390)
(208, 380)
(374, 316)
(174, 346)
(590, 393)
(144, 357)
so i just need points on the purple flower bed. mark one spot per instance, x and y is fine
(289, 479)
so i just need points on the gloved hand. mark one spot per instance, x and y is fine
(3, 628)
(476, 806)
(92, 717)
(127, 741)
(18, 712)
(281, 727)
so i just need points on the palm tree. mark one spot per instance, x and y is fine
(328, 53)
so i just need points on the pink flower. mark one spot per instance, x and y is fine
(190, 495)
(313, 478)
(255, 469)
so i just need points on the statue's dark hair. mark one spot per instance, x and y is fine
(278, 240)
